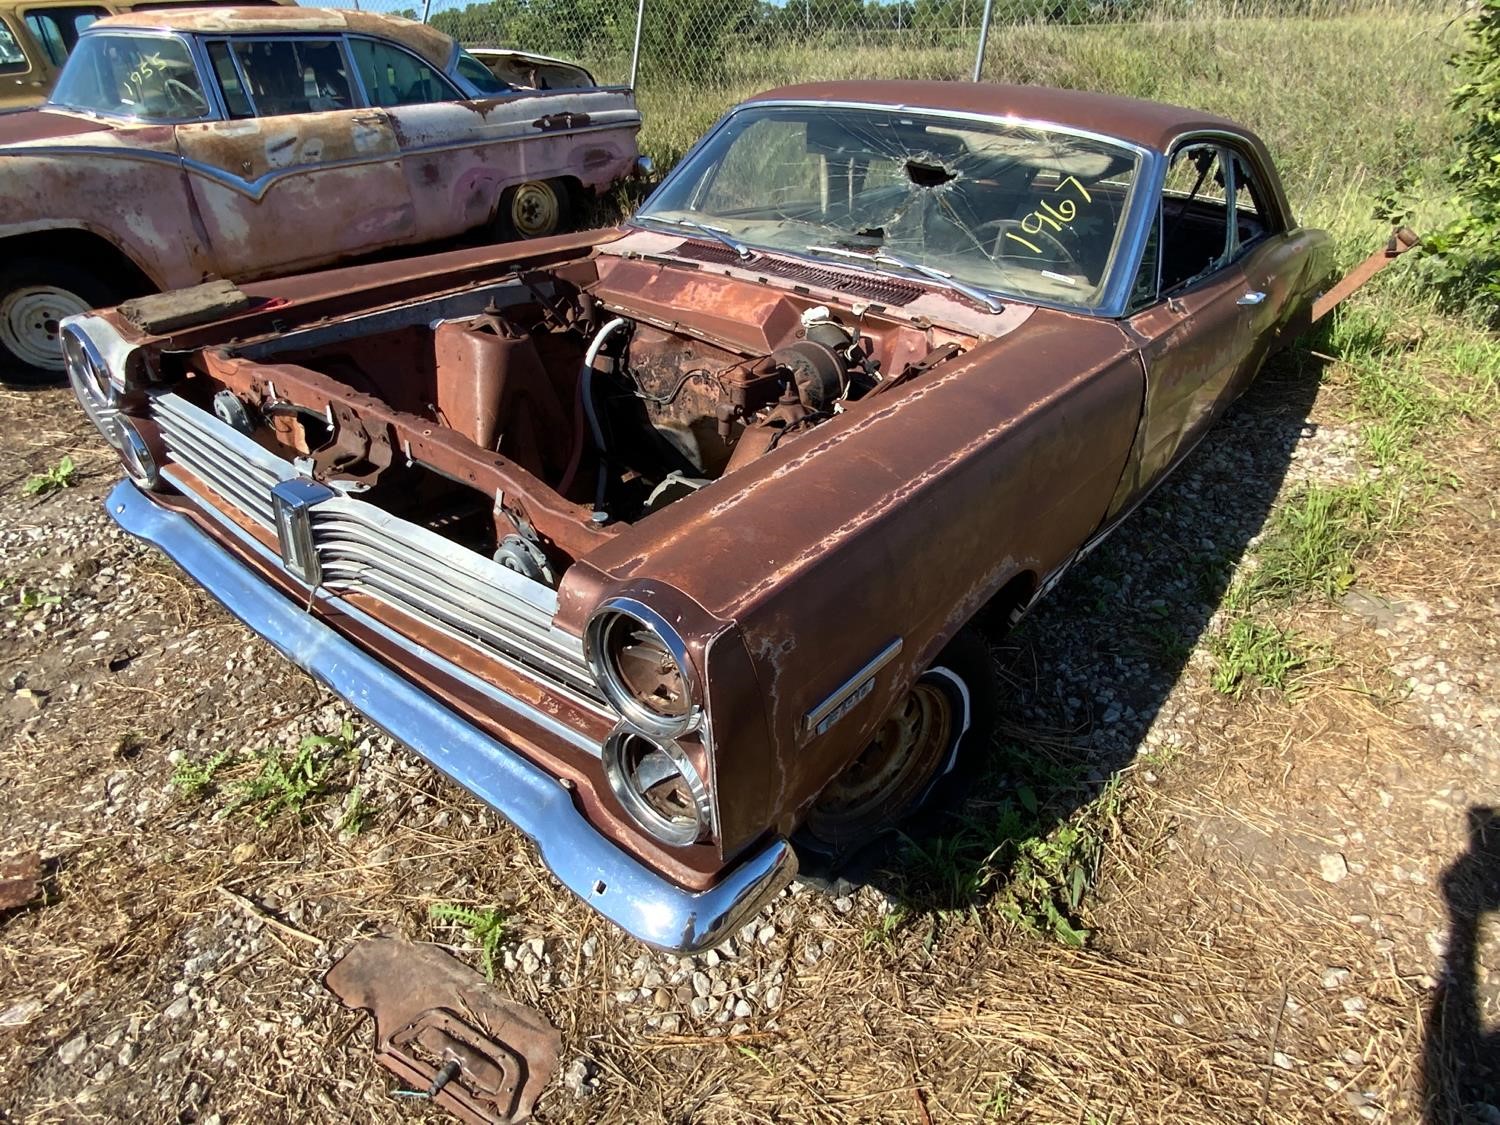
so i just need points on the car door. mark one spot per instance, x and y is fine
(460, 154)
(1192, 324)
(23, 80)
(1273, 264)
(301, 172)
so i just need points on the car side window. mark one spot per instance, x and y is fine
(236, 97)
(395, 77)
(1196, 238)
(57, 29)
(287, 76)
(1253, 219)
(12, 58)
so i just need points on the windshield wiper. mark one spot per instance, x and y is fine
(886, 258)
(718, 233)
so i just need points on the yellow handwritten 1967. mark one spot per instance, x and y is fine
(1046, 215)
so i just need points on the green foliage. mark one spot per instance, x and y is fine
(1312, 540)
(31, 599)
(1468, 249)
(59, 476)
(281, 782)
(1254, 653)
(1034, 871)
(194, 779)
(485, 927)
(289, 784)
(357, 813)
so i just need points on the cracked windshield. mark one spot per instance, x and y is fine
(1001, 208)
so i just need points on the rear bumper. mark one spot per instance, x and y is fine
(631, 895)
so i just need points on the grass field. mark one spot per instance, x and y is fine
(1344, 103)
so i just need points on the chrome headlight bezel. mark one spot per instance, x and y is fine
(135, 453)
(628, 612)
(89, 375)
(624, 782)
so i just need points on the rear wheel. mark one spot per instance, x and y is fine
(535, 209)
(35, 295)
(947, 712)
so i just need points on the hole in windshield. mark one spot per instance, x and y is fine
(1010, 209)
(926, 174)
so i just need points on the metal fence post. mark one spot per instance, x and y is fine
(426, 7)
(984, 38)
(635, 50)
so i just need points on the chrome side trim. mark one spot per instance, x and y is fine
(256, 188)
(637, 899)
(850, 692)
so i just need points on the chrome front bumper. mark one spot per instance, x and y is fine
(631, 895)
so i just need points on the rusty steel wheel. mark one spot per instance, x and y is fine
(35, 295)
(534, 209)
(915, 746)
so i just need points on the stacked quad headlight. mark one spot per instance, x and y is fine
(101, 392)
(642, 667)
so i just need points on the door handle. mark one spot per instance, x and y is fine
(1253, 297)
(368, 119)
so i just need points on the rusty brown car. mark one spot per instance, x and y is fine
(663, 540)
(247, 142)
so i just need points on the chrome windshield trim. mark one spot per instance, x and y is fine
(638, 899)
(1125, 255)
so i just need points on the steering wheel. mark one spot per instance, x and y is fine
(183, 93)
(1043, 238)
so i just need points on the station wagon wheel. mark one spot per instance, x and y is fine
(534, 209)
(35, 295)
(916, 746)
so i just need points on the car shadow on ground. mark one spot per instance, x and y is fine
(1460, 1058)
(1090, 669)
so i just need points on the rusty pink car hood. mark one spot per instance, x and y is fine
(46, 124)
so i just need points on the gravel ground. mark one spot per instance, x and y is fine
(1271, 924)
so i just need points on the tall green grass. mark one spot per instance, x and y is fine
(1345, 103)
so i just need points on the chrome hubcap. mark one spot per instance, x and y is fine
(535, 210)
(29, 320)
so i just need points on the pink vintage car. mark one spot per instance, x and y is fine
(180, 146)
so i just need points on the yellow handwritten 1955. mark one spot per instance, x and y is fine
(1046, 215)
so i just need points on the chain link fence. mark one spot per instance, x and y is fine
(1246, 59)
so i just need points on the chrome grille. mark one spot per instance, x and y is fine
(230, 463)
(364, 550)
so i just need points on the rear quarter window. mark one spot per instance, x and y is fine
(12, 58)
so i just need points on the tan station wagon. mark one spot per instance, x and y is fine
(183, 146)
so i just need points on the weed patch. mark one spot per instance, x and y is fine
(1017, 856)
(1312, 541)
(59, 476)
(280, 781)
(484, 925)
(1253, 653)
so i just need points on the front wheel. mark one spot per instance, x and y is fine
(35, 295)
(534, 209)
(946, 713)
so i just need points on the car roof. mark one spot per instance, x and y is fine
(425, 40)
(1152, 125)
